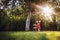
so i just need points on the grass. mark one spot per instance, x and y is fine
(44, 35)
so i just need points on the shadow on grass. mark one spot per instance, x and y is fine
(31, 36)
(22, 36)
(58, 37)
(6, 36)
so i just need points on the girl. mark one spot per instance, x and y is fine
(38, 25)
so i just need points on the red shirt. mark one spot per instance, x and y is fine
(38, 26)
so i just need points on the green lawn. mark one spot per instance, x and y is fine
(44, 35)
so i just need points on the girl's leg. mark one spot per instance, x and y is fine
(38, 29)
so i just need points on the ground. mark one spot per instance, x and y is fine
(34, 35)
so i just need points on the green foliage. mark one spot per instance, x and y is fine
(13, 19)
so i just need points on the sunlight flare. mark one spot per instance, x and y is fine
(46, 11)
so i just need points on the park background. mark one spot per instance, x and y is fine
(18, 16)
(15, 13)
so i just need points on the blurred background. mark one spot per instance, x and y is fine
(20, 15)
